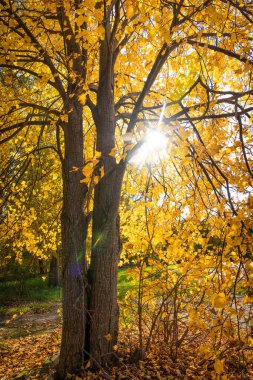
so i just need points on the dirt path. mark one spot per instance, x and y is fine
(30, 323)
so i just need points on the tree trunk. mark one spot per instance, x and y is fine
(41, 267)
(73, 247)
(105, 229)
(53, 279)
(105, 254)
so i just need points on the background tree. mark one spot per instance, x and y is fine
(30, 208)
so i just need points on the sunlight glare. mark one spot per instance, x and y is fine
(155, 140)
(152, 149)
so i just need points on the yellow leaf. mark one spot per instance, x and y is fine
(219, 366)
(128, 246)
(108, 337)
(129, 11)
(247, 299)
(82, 98)
(112, 152)
(87, 171)
(164, 315)
(219, 300)
(64, 118)
(96, 180)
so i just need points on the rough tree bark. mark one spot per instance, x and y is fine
(73, 247)
(73, 220)
(106, 243)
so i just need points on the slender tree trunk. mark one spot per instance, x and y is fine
(105, 231)
(73, 247)
(53, 278)
(41, 267)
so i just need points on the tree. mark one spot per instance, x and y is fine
(30, 208)
(94, 62)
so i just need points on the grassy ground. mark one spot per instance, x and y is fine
(34, 295)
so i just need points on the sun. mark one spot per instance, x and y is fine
(153, 148)
(155, 141)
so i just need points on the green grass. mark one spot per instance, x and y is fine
(32, 289)
(16, 334)
(31, 295)
(34, 295)
(124, 283)
(5, 310)
(22, 308)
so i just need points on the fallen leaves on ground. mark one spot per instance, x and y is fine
(27, 354)
(25, 358)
